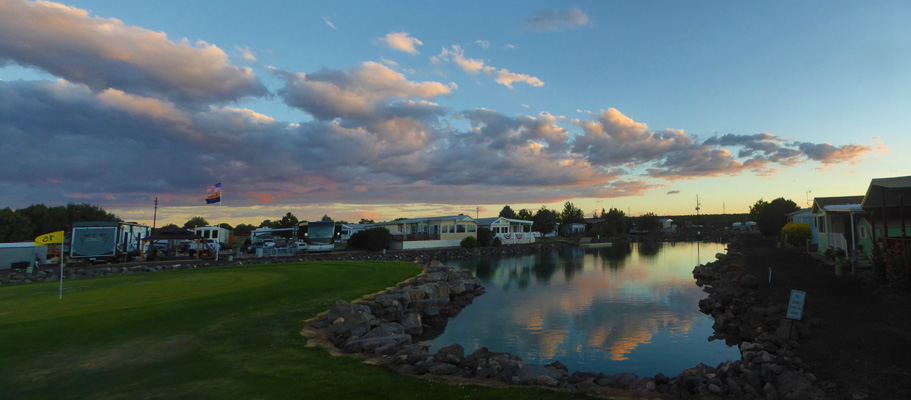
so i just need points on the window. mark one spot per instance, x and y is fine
(460, 228)
(444, 229)
(472, 228)
(821, 224)
(863, 232)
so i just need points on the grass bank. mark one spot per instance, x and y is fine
(217, 333)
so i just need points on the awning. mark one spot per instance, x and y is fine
(886, 191)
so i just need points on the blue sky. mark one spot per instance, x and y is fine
(378, 110)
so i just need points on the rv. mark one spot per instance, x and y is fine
(224, 237)
(107, 241)
(320, 236)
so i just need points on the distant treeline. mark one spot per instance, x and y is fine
(709, 219)
(24, 224)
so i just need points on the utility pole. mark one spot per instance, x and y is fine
(477, 212)
(697, 205)
(155, 215)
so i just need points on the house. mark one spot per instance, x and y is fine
(806, 216)
(836, 222)
(572, 228)
(886, 201)
(668, 225)
(596, 224)
(510, 231)
(422, 233)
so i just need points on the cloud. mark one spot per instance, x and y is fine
(357, 93)
(483, 43)
(105, 53)
(674, 192)
(829, 154)
(615, 139)
(558, 20)
(329, 23)
(247, 54)
(506, 78)
(456, 54)
(402, 41)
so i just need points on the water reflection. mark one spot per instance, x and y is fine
(619, 309)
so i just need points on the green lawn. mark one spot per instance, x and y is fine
(215, 333)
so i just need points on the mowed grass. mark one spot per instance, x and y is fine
(227, 333)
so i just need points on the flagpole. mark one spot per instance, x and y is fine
(61, 271)
(221, 199)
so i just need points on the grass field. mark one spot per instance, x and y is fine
(227, 333)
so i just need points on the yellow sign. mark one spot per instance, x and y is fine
(55, 237)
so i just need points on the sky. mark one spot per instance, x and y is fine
(379, 110)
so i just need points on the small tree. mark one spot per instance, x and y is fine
(571, 213)
(373, 239)
(485, 236)
(366, 221)
(796, 233)
(524, 214)
(326, 218)
(288, 221)
(469, 242)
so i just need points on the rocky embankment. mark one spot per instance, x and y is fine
(769, 367)
(381, 328)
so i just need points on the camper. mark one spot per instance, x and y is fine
(224, 237)
(107, 241)
(320, 235)
(21, 255)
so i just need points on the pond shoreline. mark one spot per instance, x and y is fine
(767, 368)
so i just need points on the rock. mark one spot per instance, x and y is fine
(558, 366)
(385, 329)
(438, 368)
(770, 392)
(452, 354)
(749, 281)
(792, 385)
(714, 388)
(368, 345)
(436, 264)
(533, 374)
(412, 324)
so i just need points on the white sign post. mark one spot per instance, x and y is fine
(795, 305)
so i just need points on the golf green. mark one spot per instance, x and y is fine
(220, 333)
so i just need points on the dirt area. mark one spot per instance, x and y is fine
(863, 343)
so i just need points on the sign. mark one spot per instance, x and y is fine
(55, 237)
(795, 305)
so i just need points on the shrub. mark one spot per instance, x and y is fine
(485, 236)
(469, 242)
(796, 233)
(496, 242)
(592, 232)
(373, 239)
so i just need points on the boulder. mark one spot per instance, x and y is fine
(438, 368)
(412, 324)
(535, 374)
(386, 329)
(748, 281)
(368, 345)
(452, 354)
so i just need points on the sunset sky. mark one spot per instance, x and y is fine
(364, 109)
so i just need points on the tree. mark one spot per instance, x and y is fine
(15, 227)
(649, 222)
(571, 214)
(167, 227)
(485, 236)
(268, 223)
(288, 221)
(614, 222)
(326, 218)
(544, 221)
(225, 225)
(366, 221)
(194, 222)
(243, 229)
(507, 212)
(773, 216)
(373, 239)
(755, 209)
(524, 214)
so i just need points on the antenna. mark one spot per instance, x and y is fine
(809, 203)
(697, 205)
(154, 216)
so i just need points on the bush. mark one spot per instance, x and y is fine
(496, 242)
(796, 233)
(469, 242)
(592, 232)
(485, 236)
(373, 239)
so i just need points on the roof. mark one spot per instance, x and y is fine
(426, 220)
(174, 234)
(593, 220)
(887, 190)
(823, 202)
(802, 211)
(491, 220)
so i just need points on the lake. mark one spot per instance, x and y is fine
(618, 309)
